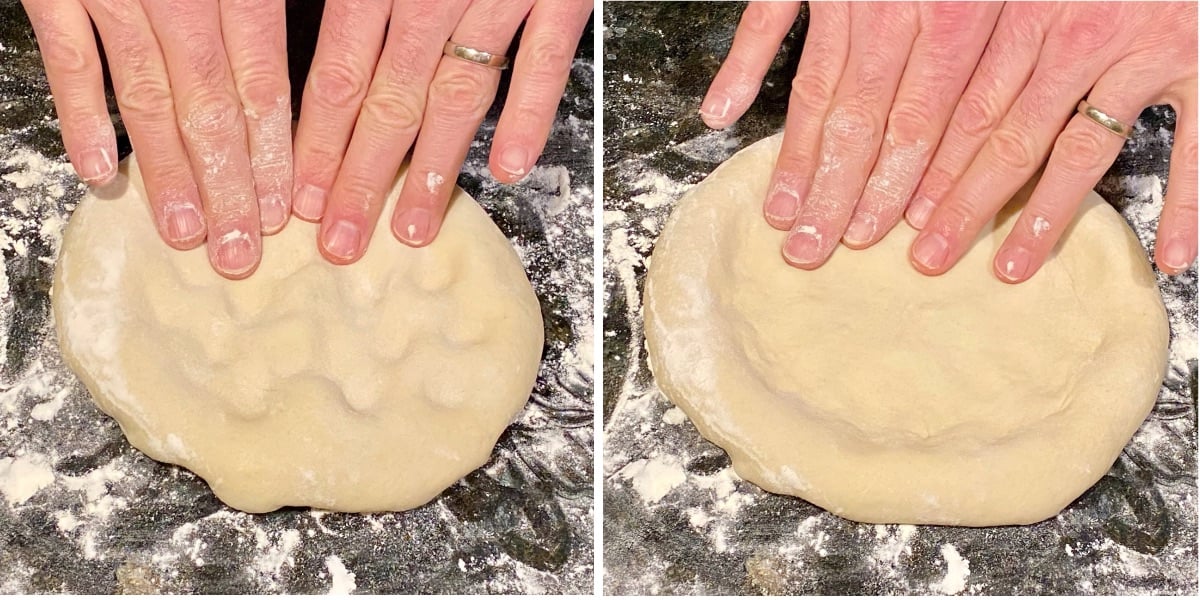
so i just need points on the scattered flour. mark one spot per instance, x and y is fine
(23, 476)
(957, 571)
(342, 580)
(654, 478)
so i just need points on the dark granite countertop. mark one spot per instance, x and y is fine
(677, 521)
(82, 511)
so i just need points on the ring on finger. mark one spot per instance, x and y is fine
(1103, 119)
(479, 57)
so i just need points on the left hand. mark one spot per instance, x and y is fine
(370, 98)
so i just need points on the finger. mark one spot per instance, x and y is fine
(459, 97)
(1012, 153)
(1004, 68)
(1082, 153)
(755, 44)
(1176, 247)
(68, 49)
(256, 41)
(951, 39)
(143, 94)
(540, 73)
(826, 46)
(210, 120)
(853, 130)
(387, 125)
(348, 47)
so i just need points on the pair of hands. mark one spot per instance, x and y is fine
(203, 89)
(939, 113)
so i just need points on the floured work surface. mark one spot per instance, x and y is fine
(82, 511)
(677, 518)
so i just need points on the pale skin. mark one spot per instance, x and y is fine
(939, 112)
(204, 93)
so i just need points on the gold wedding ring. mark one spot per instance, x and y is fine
(478, 57)
(1103, 119)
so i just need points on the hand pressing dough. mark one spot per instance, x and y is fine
(887, 396)
(369, 387)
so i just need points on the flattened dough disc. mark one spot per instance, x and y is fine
(887, 396)
(369, 387)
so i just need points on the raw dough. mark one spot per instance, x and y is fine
(886, 396)
(369, 387)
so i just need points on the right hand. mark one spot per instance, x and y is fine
(876, 86)
(203, 90)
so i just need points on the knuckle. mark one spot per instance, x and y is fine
(957, 216)
(68, 59)
(1009, 150)
(337, 85)
(936, 183)
(1183, 203)
(316, 166)
(1185, 151)
(908, 123)
(460, 92)
(794, 166)
(356, 195)
(851, 125)
(759, 19)
(143, 96)
(1079, 148)
(212, 118)
(395, 110)
(810, 93)
(1090, 31)
(262, 92)
(549, 60)
(977, 114)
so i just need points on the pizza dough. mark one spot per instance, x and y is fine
(887, 396)
(369, 387)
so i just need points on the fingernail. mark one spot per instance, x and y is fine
(803, 246)
(861, 229)
(1013, 263)
(1175, 255)
(514, 160)
(715, 109)
(781, 206)
(272, 213)
(412, 226)
(919, 212)
(235, 255)
(342, 240)
(183, 222)
(930, 250)
(309, 202)
(95, 165)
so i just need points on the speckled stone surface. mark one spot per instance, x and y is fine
(678, 521)
(82, 511)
